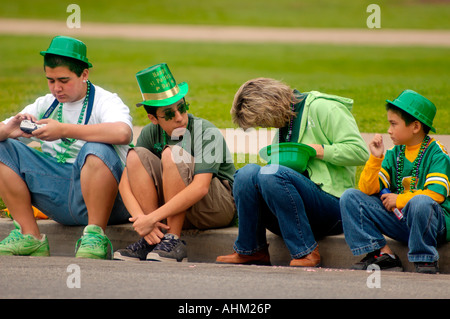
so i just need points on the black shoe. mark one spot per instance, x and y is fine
(384, 261)
(171, 248)
(427, 268)
(135, 251)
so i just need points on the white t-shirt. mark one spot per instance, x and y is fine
(107, 108)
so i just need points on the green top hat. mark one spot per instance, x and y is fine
(69, 47)
(416, 105)
(158, 87)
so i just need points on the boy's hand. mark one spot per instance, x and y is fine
(389, 201)
(156, 234)
(52, 130)
(13, 126)
(145, 227)
(376, 146)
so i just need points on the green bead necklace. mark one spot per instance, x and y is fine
(160, 147)
(67, 142)
(415, 170)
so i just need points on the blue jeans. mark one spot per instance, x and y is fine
(365, 220)
(55, 188)
(285, 202)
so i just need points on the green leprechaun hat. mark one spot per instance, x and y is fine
(69, 47)
(416, 105)
(158, 87)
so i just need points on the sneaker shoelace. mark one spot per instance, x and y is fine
(167, 244)
(140, 244)
(92, 240)
(14, 235)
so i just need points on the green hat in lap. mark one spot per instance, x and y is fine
(69, 47)
(158, 87)
(416, 105)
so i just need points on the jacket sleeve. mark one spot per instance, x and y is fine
(369, 182)
(345, 145)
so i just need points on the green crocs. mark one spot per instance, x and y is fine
(24, 244)
(93, 244)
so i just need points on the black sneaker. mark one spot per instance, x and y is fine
(136, 251)
(384, 261)
(427, 268)
(171, 248)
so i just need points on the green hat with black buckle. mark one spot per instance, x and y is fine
(158, 86)
(69, 47)
(416, 105)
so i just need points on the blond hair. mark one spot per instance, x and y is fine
(263, 102)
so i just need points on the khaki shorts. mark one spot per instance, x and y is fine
(214, 210)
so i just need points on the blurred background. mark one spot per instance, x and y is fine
(368, 73)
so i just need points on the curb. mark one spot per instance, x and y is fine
(205, 245)
(252, 141)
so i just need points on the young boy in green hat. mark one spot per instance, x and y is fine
(84, 132)
(403, 194)
(180, 172)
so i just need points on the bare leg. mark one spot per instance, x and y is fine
(386, 250)
(15, 194)
(139, 192)
(99, 189)
(141, 184)
(172, 185)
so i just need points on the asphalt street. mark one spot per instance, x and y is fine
(67, 277)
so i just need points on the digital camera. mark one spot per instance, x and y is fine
(28, 126)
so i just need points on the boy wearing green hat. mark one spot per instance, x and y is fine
(180, 172)
(84, 132)
(403, 194)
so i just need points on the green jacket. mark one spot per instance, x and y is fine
(327, 120)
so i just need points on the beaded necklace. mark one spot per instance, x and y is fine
(67, 142)
(160, 147)
(166, 137)
(416, 164)
(291, 123)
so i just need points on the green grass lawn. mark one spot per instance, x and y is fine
(416, 14)
(369, 75)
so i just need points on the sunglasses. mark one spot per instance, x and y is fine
(170, 114)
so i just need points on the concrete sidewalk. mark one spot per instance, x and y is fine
(205, 246)
(238, 34)
(240, 142)
(250, 142)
